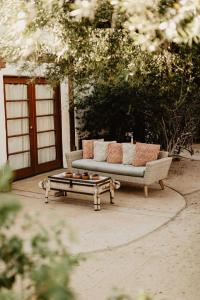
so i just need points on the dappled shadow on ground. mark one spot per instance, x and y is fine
(184, 176)
(131, 217)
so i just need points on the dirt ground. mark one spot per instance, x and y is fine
(166, 263)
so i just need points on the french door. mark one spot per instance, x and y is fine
(33, 118)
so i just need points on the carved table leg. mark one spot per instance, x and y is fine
(47, 189)
(146, 191)
(97, 201)
(112, 192)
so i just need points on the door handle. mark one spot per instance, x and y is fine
(31, 127)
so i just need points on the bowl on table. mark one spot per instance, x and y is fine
(95, 177)
(85, 176)
(68, 174)
(77, 176)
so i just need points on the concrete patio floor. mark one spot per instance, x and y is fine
(151, 244)
(165, 263)
(131, 217)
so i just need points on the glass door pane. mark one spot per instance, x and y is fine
(17, 109)
(17, 118)
(20, 161)
(32, 111)
(18, 144)
(16, 92)
(17, 126)
(45, 114)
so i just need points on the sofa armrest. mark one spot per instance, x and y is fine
(157, 170)
(73, 155)
(163, 154)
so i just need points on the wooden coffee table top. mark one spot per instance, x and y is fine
(88, 182)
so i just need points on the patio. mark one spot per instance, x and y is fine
(129, 219)
(125, 74)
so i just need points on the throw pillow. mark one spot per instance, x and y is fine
(114, 153)
(145, 153)
(88, 148)
(101, 150)
(128, 150)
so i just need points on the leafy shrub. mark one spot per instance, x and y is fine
(40, 266)
(159, 102)
(107, 112)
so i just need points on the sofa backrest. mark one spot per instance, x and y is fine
(162, 154)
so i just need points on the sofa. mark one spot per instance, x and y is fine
(154, 171)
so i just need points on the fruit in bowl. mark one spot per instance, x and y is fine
(85, 176)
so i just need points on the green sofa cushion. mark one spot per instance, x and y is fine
(96, 166)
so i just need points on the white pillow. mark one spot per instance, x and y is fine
(128, 150)
(88, 148)
(101, 150)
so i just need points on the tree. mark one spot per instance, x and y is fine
(64, 33)
(45, 34)
(97, 41)
(41, 269)
(159, 102)
(152, 23)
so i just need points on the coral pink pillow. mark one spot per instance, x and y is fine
(115, 153)
(145, 153)
(88, 148)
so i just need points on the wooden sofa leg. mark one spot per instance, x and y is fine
(146, 191)
(161, 184)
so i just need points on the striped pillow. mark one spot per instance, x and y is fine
(145, 153)
(114, 153)
(128, 153)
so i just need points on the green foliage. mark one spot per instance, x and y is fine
(117, 295)
(103, 15)
(6, 295)
(6, 176)
(159, 102)
(107, 112)
(8, 208)
(46, 270)
(41, 264)
(120, 297)
(165, 4)
(109, 59)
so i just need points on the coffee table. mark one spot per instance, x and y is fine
(79, 186)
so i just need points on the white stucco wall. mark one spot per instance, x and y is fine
(3, 150)
(10, 70)
(65, 119)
